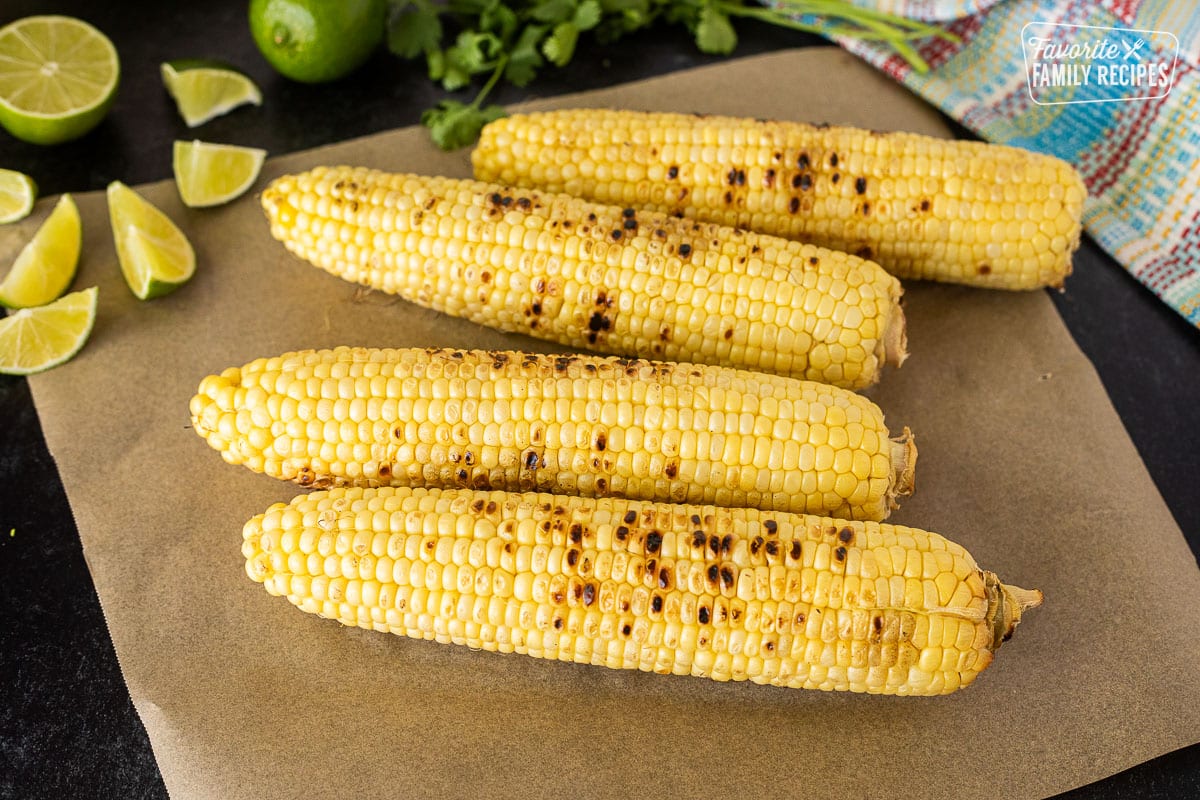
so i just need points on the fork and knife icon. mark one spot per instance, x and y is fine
(1132, 49)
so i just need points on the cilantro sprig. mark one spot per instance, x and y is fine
(463, 41)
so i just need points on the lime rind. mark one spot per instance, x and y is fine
(204, 90)
(47, 264)
(186, 64)
(35, 339)
(88, 62)
(165, 263)
(18, 192)
(208, 174)
(156, 257)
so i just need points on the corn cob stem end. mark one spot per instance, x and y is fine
(895, 338)
(1007, 605)
(904, 467)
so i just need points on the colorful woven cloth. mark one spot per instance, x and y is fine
(1138, 153)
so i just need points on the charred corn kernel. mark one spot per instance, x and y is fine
(959, 211)
(584, 425)
(611, 279)
(721, 593)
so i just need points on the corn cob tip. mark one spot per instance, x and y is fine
(1060, 283)
(904, 467)
(895, 338)
(1007, 604)
(271, 197)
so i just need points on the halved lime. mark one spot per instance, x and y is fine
(207, 89)
(156, 258)
(17, 193)
(36, 339)
(58, 77)
(46, 266)
(209, 174)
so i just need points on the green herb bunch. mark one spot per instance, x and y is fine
(511, 40)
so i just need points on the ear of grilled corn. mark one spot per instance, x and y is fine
(727, 594)
(960, 211)
(597, 277)
(578, 424)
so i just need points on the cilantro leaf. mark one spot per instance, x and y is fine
(560, 45)
(472, 53)
(468, 7)
(553, 11)
(683, 13)
(714, 32)
(499, 19)
(453, 124)
(413, 28)
(524, 59)
(452, 75)
(587, 15)
(475, 51)
(435, 61)
(620, 6)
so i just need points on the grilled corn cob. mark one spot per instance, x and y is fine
(958, 211)
(728, 594)
(577, 424)
(620, 281)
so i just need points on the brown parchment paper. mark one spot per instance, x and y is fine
(1022, 459)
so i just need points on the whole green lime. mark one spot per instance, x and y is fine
(314, 41)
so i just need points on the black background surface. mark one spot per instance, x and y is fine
(67, 726)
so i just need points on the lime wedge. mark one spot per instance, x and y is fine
(211, 174)
(36, 339)
(17, 193)
(45, 267)
(156, 258)
(207, 89)
(58, 77)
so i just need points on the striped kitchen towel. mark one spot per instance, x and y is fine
(1111, 86)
